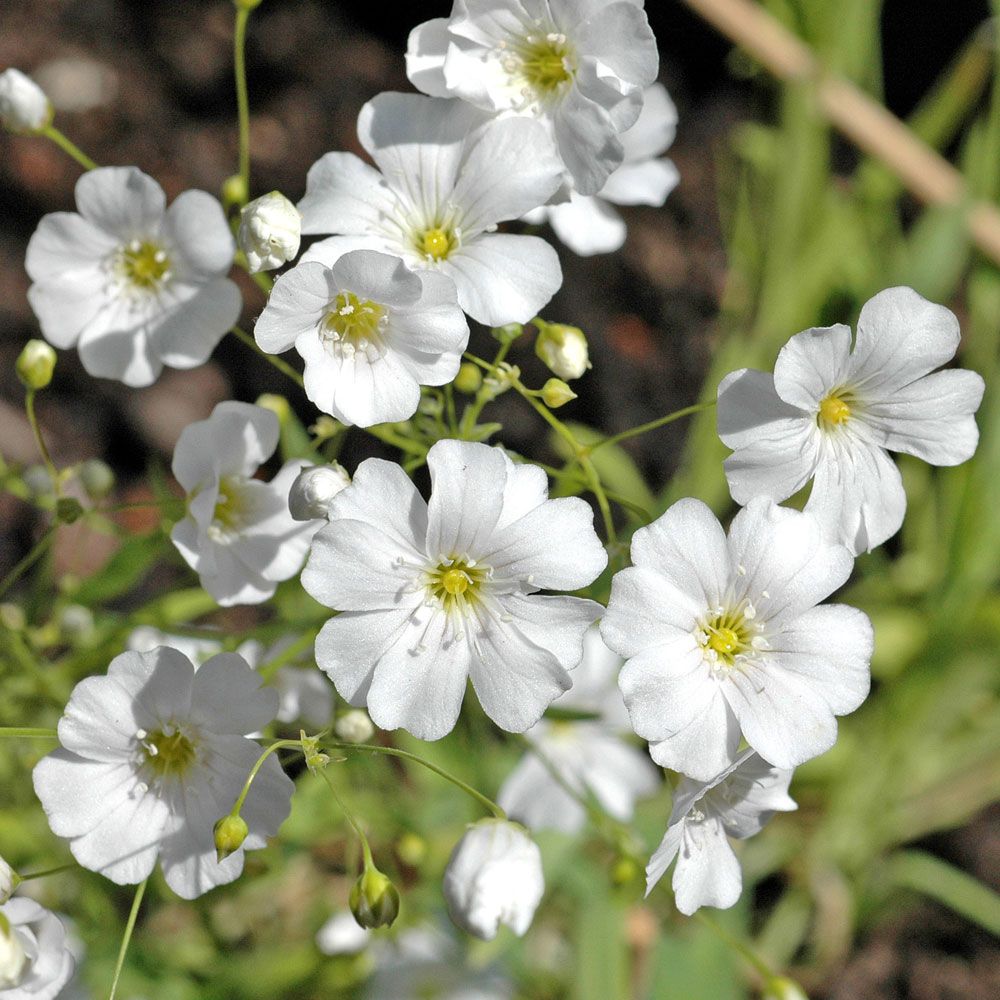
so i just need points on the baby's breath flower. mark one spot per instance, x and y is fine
(23, 104)
(35, 958)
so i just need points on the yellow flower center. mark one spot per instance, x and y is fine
(168, 753)
(436, 244)
(144, 265)
(546, 62)
(456, 582)
(357, 321)
(834, 410)
(730, 633)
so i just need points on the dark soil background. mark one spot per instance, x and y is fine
(150, 84)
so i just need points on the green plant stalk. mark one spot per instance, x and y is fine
(27, 733)
(242, 97)
(51, 132)
(737, 945)
(38, 550)
(652, 425)
(278, 745)
(29, 409)
(70, 865)
(282, 366)
(269, 669)
(471, 412)
(355, 825)
(129, 928)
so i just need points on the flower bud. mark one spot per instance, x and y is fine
(556, 393)
(13, 958)
(374, 899)
(354, 727)
(781, 988)
(234, 191)
(494, 877)
(9, 880)
(23, 104)
(469, 378)
(68, 509)
(270, 232)
(507, 333)
(96, 478)
(76, 623)
(314, 488)
(35, 364)
(278, 405)
(563, 349)
(230, 832)
(38, 481)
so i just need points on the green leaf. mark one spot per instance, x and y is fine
(124, 570)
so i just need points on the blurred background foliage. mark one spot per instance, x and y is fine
(883, 884)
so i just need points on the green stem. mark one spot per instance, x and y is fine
(282, 366)
(29, 409)
(653, 424)
(49, 871)
(486, 803)
(385, 433)
(269, 669)
(278, 745)
(471, 413)
(242, 98)
(355, 825)
(129, 928)
(737, 945)
(39, 549)
(51, 132)
(22, 732)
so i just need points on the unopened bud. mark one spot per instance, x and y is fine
(9, 881)
(230, 832)
(68, 509)
(12, 617)
(412, 849)
(23, 104)
(76, 623)
(563, 349)
(278, 405)
(556, 393)
(234, 191)
(374, 899)
(508, 333)
(781, 988)
(624, 871)
(35, 364)
(38, 481)
(354, 727)
(313, 490)
(469, 378)
(270, 232)
(96, 478)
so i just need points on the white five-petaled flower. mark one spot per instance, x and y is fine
(737, 803)
(152, 755)
(588, 754)
(36, 961)
(588, 224)
(723, 635)
(579, 66)
(270, 232)
(24, 107)
(238, 535)
(433, 594)
(371, 332)
(494, 877)
(133, 284)
(830, 414)
(448, 176)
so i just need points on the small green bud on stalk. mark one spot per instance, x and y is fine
(96, 478)
(35, 364)
(230, 832)
(624, 871)
(556, 393)
(38, 481)
(374, 899)
(278, 405)
(469, 378)
(562, 348)
(9, 881)
(781, 988)
(412, 849)
(68, 510)
(234, 190)
(508, 333)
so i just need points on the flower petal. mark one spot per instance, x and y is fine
(812, 364)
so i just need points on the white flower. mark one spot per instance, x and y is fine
(8, 881)
(371, 332)
(737, 803)
(270, 232)
(342, 935)
(447, 178)
(723, 635)
(238, 535)
(314, 487)
(580, 66)
(23, 104)
(433, 594)
(152, 755)
(304, 695)
(132, 284)
(830, 414)
(145, 639)
(587, 224)
(494, 877)
(588, 755)
(35, 957)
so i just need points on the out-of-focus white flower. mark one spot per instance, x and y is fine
(133, 284)
(270, 232)
(238, 535)
(314, 487)
(23, 104)
(342, 935)
(737, 803)
(494, 877)
(588, 224)
(433, 594)
(35, 958)
(723, 635)
(152, 755)
(371, 332)
(578, 67)
(145, 639)
(448, 176)
(563, 349)
(354, 726)
(831, 414)
(588, 755)
(8, 881)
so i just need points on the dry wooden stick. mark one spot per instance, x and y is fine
(863, 120)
